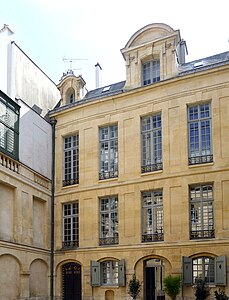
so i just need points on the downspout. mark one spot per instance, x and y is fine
(53, 124)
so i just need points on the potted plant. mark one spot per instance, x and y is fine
(172, 286)
(221, 295)
(202, 291)
(134, 287)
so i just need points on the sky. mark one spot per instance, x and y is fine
(53, 32)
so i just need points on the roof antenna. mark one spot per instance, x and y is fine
(71, 61)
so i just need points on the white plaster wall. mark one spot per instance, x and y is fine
(35, 136)
(31, 84)
(5, 39)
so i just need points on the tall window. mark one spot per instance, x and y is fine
(109, 270)
(201, 212)
(151, 72)
(199, 127)
(108, 221)
(152, 215)
(70, 225)
(9, 126)
(108, 143)
(71, 160)
(151, 132)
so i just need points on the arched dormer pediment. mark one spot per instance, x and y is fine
(71, 88)
(151, 55)
(149, 33)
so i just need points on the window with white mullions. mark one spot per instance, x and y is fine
(70, 225)
(201, 212)
(109, 271)
(108, 221)
(203, 268)
(151, 132)
(152, 216)
(71, 160)
(150, 72)
(199, 126)
(108, 144)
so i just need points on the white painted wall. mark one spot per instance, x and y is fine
(21, 78)
(35, 141)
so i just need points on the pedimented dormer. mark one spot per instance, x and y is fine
(152, 54)
(71, 88)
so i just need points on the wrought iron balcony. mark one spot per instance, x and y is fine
(70, 244)
(200, 159)
(70, 181)
(152, 168)
(108, 174)
(153, 237)
(108, 241)
(202, 234)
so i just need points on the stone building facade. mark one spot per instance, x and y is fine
(142, 174)
(25, 174)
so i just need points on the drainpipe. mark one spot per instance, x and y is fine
(53, 124)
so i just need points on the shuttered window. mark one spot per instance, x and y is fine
(209, 269)
(108, 273)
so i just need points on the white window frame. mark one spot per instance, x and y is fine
(152, 216)
(201, 201)
(200, 133)
(108, 220)
(150, 72)
(71, 160)
(70, 225)
(151, 143)
(108, 152)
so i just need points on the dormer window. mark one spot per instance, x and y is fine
(70, 95)
(150, 72)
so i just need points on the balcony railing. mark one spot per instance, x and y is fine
(108, 241)
(200, 159)
(152, 168)
(202, 234)
(153, 237)
(71, 181)
(9, 163)
(108, 174)
(70, 244)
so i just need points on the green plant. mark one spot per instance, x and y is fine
(172, 286)
(221, 295)
(202, 291)
(134, 287)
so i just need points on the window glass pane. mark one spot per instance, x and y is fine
(71, 160)
(151, 143)
(108, 160)
(199, 128)
(152, 216)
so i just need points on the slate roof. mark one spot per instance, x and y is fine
(184, 69)
(105, 91)
(204, 63)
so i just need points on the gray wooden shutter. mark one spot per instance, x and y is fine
(187, 270)
(121, 273)
(95, 273)
(220, 270)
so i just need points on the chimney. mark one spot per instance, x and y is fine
(181, 51)
(97, 73)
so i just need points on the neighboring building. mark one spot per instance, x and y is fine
(142, 174)
(21, 78)
(25, 174)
